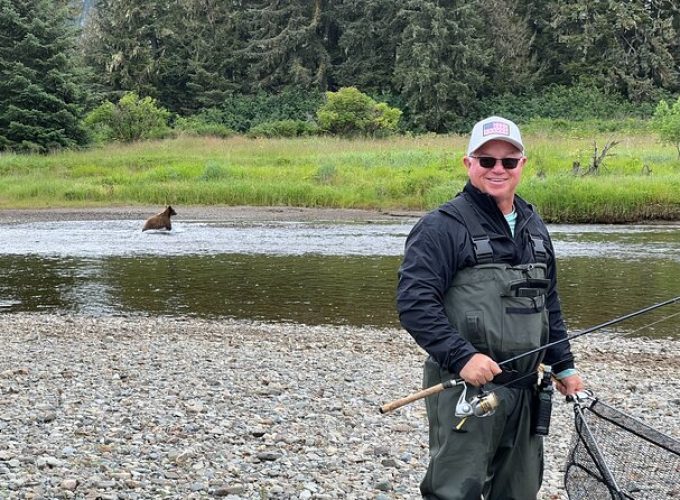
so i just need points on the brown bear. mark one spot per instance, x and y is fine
(161, 220)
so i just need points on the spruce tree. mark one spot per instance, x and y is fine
(440, 63)
(630, 48)
(41, 92)
(514, 67)
(370, 35)
(186, 54)
(212, 49)
(288, 46)
(124, 42)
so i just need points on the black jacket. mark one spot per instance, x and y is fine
(438, 246)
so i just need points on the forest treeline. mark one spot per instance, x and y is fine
(442, 63)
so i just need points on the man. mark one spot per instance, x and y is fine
(477, 286)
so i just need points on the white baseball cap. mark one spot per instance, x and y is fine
(494, 128)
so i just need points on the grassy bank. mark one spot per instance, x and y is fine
(639, 180)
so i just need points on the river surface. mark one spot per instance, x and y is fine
(306, 272)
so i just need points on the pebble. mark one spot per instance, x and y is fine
(145, 408)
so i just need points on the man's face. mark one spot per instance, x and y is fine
(498, 182)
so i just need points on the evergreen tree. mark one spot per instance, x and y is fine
(440, 62)
(213, 48)
(367, 46)
(548, 54)
(510, 36)
(288, 46)
(187, 54)
(41, 92)
(626, 47)
(125, 42)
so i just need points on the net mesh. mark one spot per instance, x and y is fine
(614, 455)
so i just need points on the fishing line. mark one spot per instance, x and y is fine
(654, 323)
(592, 329)
(615, 335)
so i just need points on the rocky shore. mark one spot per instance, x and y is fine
(138, 408)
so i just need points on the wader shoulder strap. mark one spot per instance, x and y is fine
(538, 246)
(480, 240)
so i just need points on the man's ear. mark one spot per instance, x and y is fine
(466, 162)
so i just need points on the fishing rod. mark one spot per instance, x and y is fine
(448, 384)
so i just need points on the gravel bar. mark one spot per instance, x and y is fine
(138, 408)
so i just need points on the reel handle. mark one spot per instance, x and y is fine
(435, 389)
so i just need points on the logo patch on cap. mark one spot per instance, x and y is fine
(499, 128)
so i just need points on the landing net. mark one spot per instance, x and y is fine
(615, 456)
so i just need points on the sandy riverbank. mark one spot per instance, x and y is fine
(180, 408)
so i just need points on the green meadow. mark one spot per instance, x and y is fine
(638, 180)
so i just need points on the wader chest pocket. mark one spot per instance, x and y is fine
(500, 309)
(475, 332)
(524, 321)
(529, 287)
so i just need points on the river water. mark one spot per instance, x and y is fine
(313, 273)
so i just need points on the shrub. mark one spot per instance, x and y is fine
(666, 122)
(350, 112)
(326, 174)
(560, 102)
(284, 128)
(628, 125)
(201, 125)
(243, 112)
(214, 172)
(129, 120)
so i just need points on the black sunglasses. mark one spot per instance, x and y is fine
(490, 162)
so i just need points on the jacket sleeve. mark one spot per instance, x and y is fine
(424, 277)
(559, 356)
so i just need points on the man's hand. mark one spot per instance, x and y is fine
(569, 386)
(479, 370)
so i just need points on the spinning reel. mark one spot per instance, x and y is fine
(482, 405)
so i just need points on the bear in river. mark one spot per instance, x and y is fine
(161, 220)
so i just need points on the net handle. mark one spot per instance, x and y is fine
(595, 452)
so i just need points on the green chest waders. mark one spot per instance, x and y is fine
(500, 309)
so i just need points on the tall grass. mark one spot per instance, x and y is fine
(639, 179)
